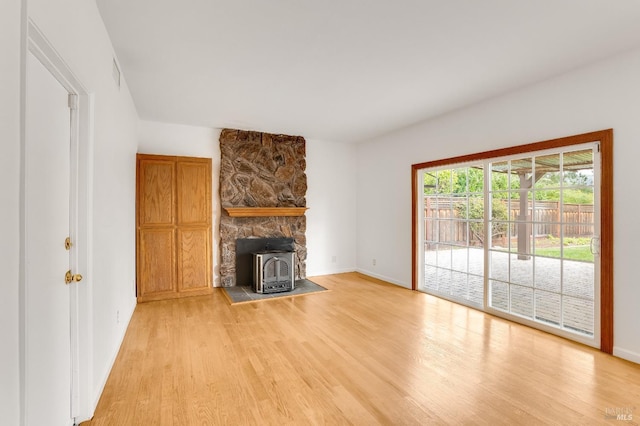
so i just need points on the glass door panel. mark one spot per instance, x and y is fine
(454, 234)
(546, 270)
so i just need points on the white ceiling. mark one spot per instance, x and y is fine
(347, 70)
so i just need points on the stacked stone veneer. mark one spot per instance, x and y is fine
(261, 170)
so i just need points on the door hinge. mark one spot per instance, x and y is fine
(73, 101)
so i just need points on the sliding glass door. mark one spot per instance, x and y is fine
(517, 236)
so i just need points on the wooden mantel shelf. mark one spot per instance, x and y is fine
(265, 211)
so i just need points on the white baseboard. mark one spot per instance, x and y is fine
(330, 271)
(625, 354)
(383, 278)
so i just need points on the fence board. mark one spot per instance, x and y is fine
(443, 224)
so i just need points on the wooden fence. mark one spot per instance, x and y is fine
(547, 219)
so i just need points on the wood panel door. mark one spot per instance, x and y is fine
(174, 226)
(194, 225)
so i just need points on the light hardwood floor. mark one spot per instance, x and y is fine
(364, 353)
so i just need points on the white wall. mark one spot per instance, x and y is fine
(331, 198)
(9, 201)
(76, 31)
(603, 95)
(189, 141)
(383, 222)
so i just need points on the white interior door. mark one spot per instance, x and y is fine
(48, 383)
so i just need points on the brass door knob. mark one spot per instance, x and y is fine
(69, 277)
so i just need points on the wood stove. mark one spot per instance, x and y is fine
(268, 265)
(273, 271)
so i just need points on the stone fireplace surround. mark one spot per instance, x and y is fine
(263, 186)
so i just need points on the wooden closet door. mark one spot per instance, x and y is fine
(173, 227)
(194, 225)
(156, 246)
